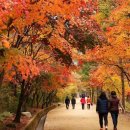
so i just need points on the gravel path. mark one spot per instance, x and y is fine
(78, 119)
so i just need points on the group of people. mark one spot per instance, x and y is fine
(82, 100)
(67, 102)
(105, 105)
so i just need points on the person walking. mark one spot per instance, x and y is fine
(73, 102)
(88, 102)
(82, 100)
(102, 110)
(114, 104)
(67, 102)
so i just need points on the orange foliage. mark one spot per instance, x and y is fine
(32, 26)
(17, 67)
(117, 51)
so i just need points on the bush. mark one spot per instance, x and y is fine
(7, 100)
(4, 115)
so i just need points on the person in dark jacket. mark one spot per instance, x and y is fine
(102, 110)
(114, 104)
(67, 102)
(73, 102)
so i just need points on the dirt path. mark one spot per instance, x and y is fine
(78, 119)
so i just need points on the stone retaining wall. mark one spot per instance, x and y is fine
(33, 123)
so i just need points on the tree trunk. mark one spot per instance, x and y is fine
(1, 77)
(43, 101)
(34, 95)
(50, 97)
(21, 101)
(37, 100)
(15, 90)
(97, 92)
(123, 89)
(92, 94)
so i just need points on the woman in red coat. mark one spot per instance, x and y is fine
(83, 101)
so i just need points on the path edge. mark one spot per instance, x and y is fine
(33, 123)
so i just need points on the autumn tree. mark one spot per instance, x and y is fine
(43, 30)
(20, 70)
(31, 34)
(115, 53)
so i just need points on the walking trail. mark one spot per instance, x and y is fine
(78, 119)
